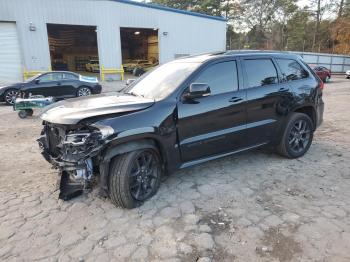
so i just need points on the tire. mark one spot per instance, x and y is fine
(83, 91)
(127, 178)
(296, 142)
(9, 95)
(22, 114)
(29, 112)
(326, 80)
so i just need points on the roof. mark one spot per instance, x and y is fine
(200, 58)
(260, 52)
(169, 9)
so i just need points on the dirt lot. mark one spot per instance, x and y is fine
(251, 207)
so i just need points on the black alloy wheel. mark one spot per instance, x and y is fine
(143, 176)
(134, 177)
(299, 136)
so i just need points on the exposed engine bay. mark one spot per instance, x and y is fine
(72, 150)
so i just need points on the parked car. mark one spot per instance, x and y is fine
(347, 74)
(58, 84)
(182, 113)
(132, 64)
(140, 70)
(93, 66)
(323, 73)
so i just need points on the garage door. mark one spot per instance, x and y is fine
(10, 57)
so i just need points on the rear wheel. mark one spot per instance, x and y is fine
(29, 112)
(297, 136)
(84, 91)
(22, 114)
(134, 177)
(10, 96)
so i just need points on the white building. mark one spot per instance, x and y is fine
(37, 35)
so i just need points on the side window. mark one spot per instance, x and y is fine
(67, 76)
(50, 77)
(221, 77)
(292, 70)
(260, 72)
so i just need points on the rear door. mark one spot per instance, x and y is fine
(267, 99)
(213, 124)
(68, 84)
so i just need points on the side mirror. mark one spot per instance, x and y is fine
(129, 81)
(198, 90)
(37, 81)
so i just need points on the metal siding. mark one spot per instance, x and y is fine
(337, 63)
(10, 57)
(186, 34)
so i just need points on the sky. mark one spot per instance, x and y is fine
(301, 3)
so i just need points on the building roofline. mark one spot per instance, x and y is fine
(169, 9)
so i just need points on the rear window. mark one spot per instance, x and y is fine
(68, 76)
(292, 70)
(260, 72)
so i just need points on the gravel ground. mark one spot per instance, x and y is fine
(255, 206)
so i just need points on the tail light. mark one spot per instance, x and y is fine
(321, 84)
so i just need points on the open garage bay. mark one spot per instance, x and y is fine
(254, 206)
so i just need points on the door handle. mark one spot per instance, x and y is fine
(58, 83)
(235, 99)
(283, 89)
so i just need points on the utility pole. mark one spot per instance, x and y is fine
(317, 27)
(341, 6)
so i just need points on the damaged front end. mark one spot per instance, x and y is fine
(73, 149)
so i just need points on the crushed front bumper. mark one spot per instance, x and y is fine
(75, 177)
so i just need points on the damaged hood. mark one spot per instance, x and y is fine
(72, 111)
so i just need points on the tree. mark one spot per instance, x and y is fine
(279, 24)
(179, 4)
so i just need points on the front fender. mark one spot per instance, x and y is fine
(126, 145)
(126, 148)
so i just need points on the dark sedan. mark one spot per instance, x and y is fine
(58, 84)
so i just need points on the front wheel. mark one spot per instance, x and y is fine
(84, 91)
(10, 96)
(134, 177)
(297, 136)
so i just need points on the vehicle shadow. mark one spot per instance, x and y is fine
(223, 180)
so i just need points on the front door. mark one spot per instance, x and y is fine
(48, 85)
(213, 124)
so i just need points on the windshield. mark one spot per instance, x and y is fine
(163, 80)
(32, 78)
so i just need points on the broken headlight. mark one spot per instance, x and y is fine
(81, 137)
(76, 139)
(81, 144)
(104, 130)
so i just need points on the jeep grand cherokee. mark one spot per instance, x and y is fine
(180, 114)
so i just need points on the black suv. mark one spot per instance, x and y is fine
(180, 114)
